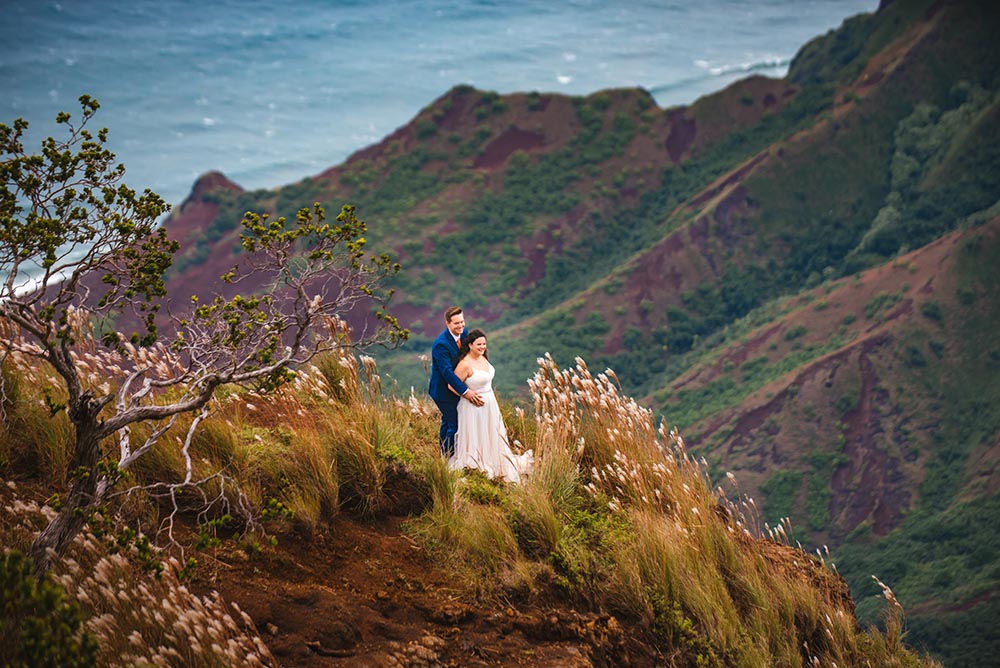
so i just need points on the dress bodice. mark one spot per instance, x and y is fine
(481, 380)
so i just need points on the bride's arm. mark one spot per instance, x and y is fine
(463, 371)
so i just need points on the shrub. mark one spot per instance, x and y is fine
(40, 627)
(121, 613)
(932, 310)
(795, 332)
(913, 357)
(425, 129)
(880, 303)
(780, 492)
(846, 403)
(967, 296)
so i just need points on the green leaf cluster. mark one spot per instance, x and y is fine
(39, 626)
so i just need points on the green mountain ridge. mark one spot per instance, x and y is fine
(798, 273)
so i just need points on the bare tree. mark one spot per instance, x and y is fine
(77, 246)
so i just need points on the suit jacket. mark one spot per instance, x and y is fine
(444, 357)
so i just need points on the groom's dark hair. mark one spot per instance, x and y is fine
(451, 313)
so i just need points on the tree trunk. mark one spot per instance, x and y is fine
(82, 498)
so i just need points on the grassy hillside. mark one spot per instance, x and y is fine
(617, 545)
(796, 272)
(863, 410)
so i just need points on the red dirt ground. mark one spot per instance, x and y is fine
(366, 595)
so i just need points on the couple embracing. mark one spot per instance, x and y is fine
(473, 434)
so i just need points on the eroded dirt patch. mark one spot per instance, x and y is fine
(366, 595)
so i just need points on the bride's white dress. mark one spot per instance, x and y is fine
(481, 442)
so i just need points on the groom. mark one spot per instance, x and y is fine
(444, 357)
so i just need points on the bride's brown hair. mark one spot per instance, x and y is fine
(467, 344)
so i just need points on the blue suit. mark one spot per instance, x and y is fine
(444, 357)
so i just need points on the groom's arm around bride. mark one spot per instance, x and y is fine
(444, 357)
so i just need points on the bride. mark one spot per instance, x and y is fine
(481, 442)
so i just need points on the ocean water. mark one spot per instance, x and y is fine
(272, 92)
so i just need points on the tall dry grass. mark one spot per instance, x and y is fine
(621, 517)
(616, 515)
(138, 616)
(33, 438)
(326, 441)
(297, 455)
(329, 439)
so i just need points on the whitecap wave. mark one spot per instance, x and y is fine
(755, 66)
(711, 73)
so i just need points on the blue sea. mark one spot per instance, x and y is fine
(272, 92)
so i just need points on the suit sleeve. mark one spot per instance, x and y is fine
(442, 360)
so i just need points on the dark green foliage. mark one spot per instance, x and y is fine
(833, 57)
(490, 104)
(950, 556)
(914, 357)
(550, 337)
(425, 129)
(682, 331)
(479, 488)
(818, 503)
(944, 169)
(39, 626)
(291, 198)
(752, 370)
(681, 635)
(795, 332)
(64, 213)
(579, 557)
(688, 406)
(846, 403)
(965, 637)
(818, 492)
(712, 306)
(966, 296)
(841, 54)
(781, 492)
(880, 303)
(932, 310)
(475, 143)
(405, 184)
(642, 358)
(971, 419)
